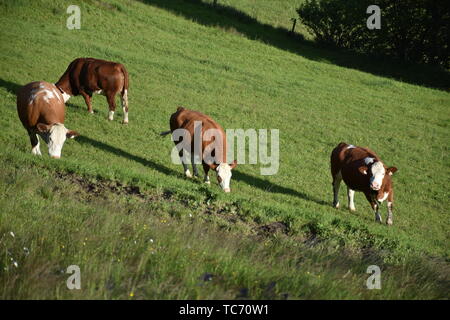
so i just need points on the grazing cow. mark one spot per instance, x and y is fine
(210, 141)
(362, 170)
(86, 76)
(41, 109)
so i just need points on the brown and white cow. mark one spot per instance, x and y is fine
(41, 109)
(86, 76)
(362, 170)
(211, 144)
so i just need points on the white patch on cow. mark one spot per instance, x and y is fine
(111, 115)
(351, 198)
(36, 150)
(56, 141)
(384, 197)
(49, 94)
(368, 160)
(32, 97)
(65, 96)
(351, 146)
(124, 102)
(125, 116)
(98, 92)
(224, 172)
(58, 95)
(378, 173)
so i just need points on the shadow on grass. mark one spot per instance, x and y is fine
(238, 176)
(229, 18)
(11, 87)
(273, 188)
(121, 153)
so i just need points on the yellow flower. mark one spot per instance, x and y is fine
(131, 294)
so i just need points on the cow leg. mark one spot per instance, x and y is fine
(34, 139)
(187, 173)
(206, 170)
(124, 101)
(336, 185)
(88, 100)
(194, 167)
(375, 208)
(389, 206)
(351, 197)
(112, 105)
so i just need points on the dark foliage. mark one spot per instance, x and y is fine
(412, 30)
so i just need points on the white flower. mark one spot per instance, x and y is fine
(12, 234)
(151, 240)
(15, 264)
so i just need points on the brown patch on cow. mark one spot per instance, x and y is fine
(186, 120)
(85, 76)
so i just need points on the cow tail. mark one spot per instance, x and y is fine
(165, 133)
(124, 94)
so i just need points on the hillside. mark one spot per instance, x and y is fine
(116, 205)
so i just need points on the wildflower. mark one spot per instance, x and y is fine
(131, 294)
(15, 264)
(151, 240)
(12, 234)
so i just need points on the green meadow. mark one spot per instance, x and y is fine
(116, 206)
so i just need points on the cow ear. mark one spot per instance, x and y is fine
(71, 134)
(363, 170)
(42, 127)
(233, 165)
(391, 170)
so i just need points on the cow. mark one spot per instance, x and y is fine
(41, 110)
(210, 141)
(362, 170)
(87, 76)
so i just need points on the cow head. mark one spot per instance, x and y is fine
(377, 173)
(223, 172)
(55, 135)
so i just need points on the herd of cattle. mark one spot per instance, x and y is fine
(41, 109)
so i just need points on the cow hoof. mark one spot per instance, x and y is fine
(207, 182)
(336, 205)
(389, 222)
(91, 112)
(124, 122)
(352, 210)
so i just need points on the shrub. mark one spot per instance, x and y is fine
(412, 30)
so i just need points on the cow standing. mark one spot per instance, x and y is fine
(362, 170)
(211, 142)
(41, 109)
(86, 76)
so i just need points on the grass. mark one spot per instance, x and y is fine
(115, 188)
